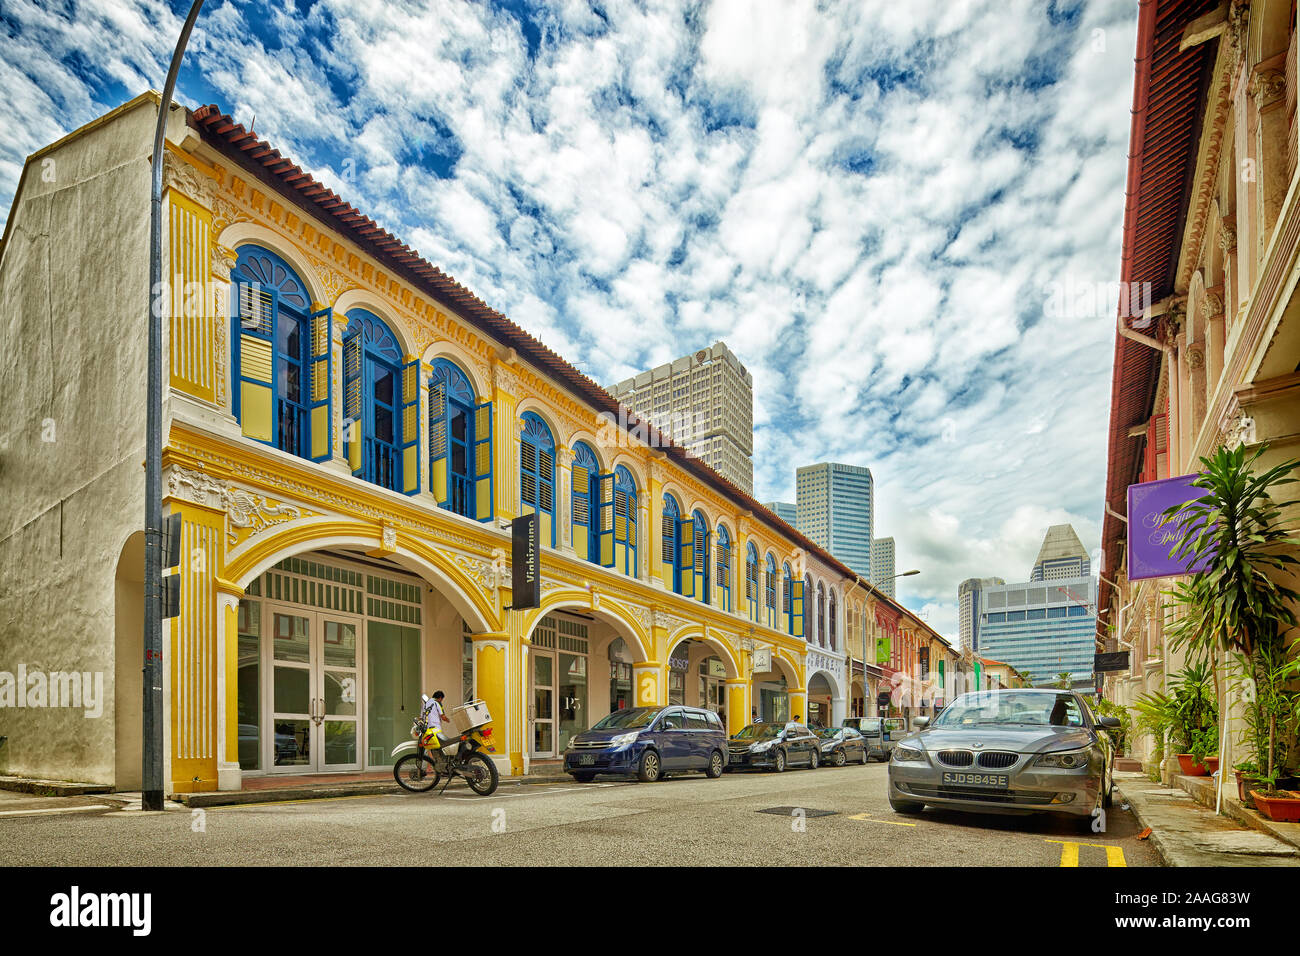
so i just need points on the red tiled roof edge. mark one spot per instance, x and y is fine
(289, 180)
(1168, 89)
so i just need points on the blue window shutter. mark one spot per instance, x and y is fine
(353, 402)
(686, 556)
(322, 385)
(438, 440)
(254, 361)
(410, 441)
(483, 461)
(605, 519)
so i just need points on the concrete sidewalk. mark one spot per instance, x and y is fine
(1188, 834)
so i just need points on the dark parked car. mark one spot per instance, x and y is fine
(649, 742)
(1008, 751)
(774, 747)
(880, 733)
(841, 745)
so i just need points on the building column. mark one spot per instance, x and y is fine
(495, 686)
(195, 709)
(649, 683)
(229, 774)
(838, 710)
(739, 694)
(564, 498)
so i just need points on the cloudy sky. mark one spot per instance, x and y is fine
(903, 217)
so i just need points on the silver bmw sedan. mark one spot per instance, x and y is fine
(1007, 751)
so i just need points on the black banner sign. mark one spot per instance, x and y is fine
(1114, 661)
(525, 563)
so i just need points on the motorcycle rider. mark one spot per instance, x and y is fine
(434, 717)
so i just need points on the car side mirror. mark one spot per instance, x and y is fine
(1111, 723)
(920, 723)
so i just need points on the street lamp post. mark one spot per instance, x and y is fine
(152, 742)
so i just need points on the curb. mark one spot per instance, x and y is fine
(52, 788)
(294, 794)
(1156, 838)
(1201, 789)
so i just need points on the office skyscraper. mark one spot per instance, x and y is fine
(968, 610)
(882, 565)
(705, 401)
(1047, 625)
(1062, 556)
(787, 512)
(835, 505)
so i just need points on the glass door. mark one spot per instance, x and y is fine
(338, 691)
(314, 689)
(543, 707)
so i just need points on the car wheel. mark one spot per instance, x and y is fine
(715, 768)
(905, 806)
(584, 777)
(778, 762)
(838, 758)
(814, 759)
(650, 769)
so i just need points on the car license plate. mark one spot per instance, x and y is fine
(586, 760)
(991, 780)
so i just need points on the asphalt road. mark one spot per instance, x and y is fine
(686, 820)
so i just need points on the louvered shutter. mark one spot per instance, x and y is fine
(410, 447)
(483, 461)
(605, 519)
(686, 555)
(353, 402)
(796, 607)
(438, 441)
(256, 362)
(527, 475)
(582, 511)
(322, 391)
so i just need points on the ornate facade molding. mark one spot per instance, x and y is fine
(180, 176)
(247, 513)
(1267, 87)
(335, 283)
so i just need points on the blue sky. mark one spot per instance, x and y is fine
(875, 205)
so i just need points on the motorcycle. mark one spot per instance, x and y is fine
(422, 765)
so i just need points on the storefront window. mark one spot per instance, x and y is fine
(620, 676)
(467, 670)
(250, 685)
(393, 687)
(573, 697)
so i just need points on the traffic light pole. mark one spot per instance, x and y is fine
(152, 749)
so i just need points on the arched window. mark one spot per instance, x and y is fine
(537, 474)
(821, 615)
(460, 444)
(722, 562)
(751, 580)
(282, 364)
(381, 405)
(670, 569)
(586, 469)
(792, 604)
(769, 590)
(700, 527)
(809, 611)
(832, 625)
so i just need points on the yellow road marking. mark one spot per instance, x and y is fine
(1070, 852)
(870, 819)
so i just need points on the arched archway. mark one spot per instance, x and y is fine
(579, 665)
(704, 667)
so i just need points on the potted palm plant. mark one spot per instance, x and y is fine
(1235, 603)
(1196, 719)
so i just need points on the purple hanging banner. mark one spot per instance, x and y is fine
(1150, 541)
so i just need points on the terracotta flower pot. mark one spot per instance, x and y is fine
(1281, 807)
(1187, 763)
(1245, 781)
(1212, 763)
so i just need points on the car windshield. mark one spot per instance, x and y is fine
(870, 726)
(1009, 707)
(632, 719)
(758, 732)
(828, 732)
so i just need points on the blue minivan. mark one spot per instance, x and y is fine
(649, 742)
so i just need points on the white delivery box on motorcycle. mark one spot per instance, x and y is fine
(469, 715)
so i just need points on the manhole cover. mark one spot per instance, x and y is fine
(791, 811)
